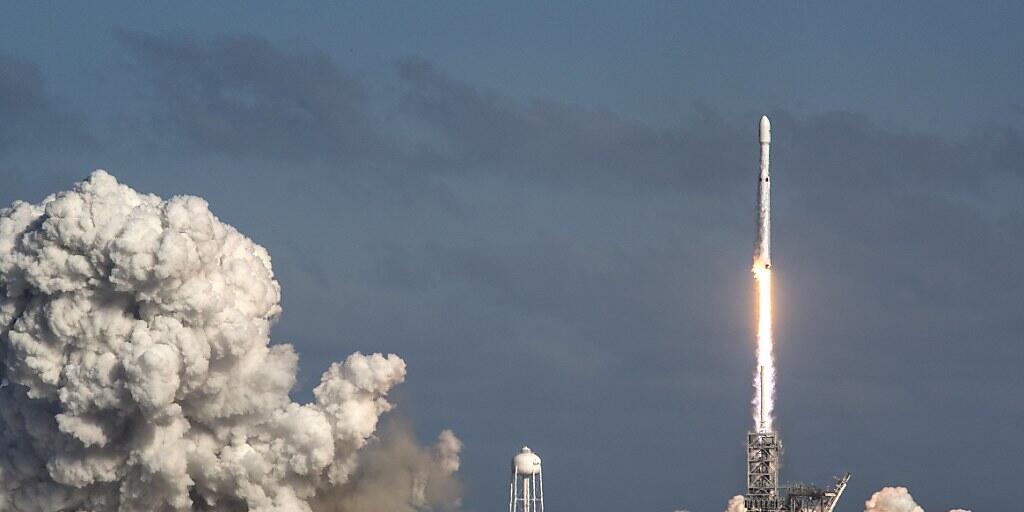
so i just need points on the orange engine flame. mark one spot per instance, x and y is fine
(764, 375)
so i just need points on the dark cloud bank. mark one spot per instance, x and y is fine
(240, 96)
(30, 118)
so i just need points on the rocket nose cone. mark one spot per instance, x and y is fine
(766, 129)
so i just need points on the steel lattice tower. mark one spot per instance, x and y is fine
(764, 452)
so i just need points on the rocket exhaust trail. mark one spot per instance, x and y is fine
(764, 379)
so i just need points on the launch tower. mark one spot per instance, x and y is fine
(764, 451)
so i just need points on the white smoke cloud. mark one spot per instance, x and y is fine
(895, 499)
(397, 475)
(736, 504)
(138, 375)
(892, 499)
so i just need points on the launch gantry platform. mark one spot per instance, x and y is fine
(764, 494)
(764, 450)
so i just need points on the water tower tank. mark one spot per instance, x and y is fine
(526, 462)
(526, 491)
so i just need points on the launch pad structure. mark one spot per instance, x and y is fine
(764, 451)
(765, 494)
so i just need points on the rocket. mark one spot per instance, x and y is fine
(763, 249)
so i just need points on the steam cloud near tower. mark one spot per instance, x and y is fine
(888, 499)
(138, 375)
(895, 499)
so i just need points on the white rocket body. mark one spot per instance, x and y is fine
(763, 248)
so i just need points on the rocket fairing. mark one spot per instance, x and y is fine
(762, 250)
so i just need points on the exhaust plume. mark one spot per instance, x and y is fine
(764, 377)
(398, 475)
(892, 499)
(736, 504)
(137, 373)
(895, 499)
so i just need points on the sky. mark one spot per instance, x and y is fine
(548, 212)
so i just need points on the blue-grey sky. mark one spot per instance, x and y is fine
(548, 211)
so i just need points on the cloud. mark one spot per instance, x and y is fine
(892, 499)
(30, 119)
(137, 372)
(553, 142)
(736, 504)
(243, 97)
(398, 475)
(895, 499)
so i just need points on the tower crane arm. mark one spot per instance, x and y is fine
(840, 487)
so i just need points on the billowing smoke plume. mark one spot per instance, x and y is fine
(889, 499)
(895, 499)
(397, 475)
(137, 373)
(892, 499)
(736, 504)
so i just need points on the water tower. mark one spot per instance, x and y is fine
(526, 492)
